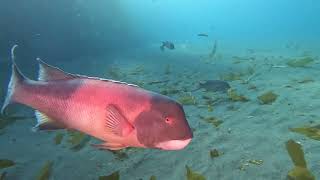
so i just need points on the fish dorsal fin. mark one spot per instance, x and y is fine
(51, 73)
(116, 123)
(103, 79)
(45, 122)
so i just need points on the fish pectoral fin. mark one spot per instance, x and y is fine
(45, 122)
(116, 123)
(110, 146)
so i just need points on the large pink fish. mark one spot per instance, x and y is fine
(119, 114)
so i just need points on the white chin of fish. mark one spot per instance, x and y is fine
(173, 144)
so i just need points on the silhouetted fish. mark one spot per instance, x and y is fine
(203, 35)
(167, 44)
(214, 85)
(120, 114)
(214, 50)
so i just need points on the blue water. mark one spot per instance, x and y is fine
(121, 39)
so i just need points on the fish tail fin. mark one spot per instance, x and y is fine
(17, 78)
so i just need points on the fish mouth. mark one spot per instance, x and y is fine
(173, 144)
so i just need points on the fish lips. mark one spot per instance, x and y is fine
(173, 144)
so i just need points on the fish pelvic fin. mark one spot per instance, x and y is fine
(16, 79)
(45, 122)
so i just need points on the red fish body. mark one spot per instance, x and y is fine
(120, 114)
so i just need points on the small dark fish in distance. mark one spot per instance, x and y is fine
(214, 50)
(120, 114)
(167, 44)
(203, 35)
(214, 86)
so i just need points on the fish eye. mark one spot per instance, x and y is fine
(168, 120)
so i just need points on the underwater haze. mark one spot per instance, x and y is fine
(244, 72)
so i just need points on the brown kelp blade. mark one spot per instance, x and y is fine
(191, 175)
(300, 171)
(5, 163)
(45, 171)
(296, 153)
(311, 132)
(78, 140)
(113, 176)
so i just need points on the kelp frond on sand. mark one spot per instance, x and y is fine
(305, 80)
(247, 163)
(191, 175)
(267, 97)
(234, 76)
(77, 139)
(300, 62)
(300, 171)
(212, 120)
(114, 72)
(113, 176)
(45, 171)
(255, 161)
(234, 96)
(4, 163)
(137, 70)
(169, 91)
(58, 138)
(187, 99)
(215, 153)
(121, 155)
(312, 132)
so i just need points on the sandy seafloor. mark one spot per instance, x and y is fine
(250, 131)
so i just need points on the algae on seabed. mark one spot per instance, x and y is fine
(312, 132)
(4, 163)
(301, 62)
(77, 139)
(113, 176)
(300, 171)
(45, 171)
(267, 97)
(215, 153)
(234, 96)
(212, 120)
(58, 138)
(187, 99)
(121, 155)
(153, 178)
(114, 72)
(191, 175)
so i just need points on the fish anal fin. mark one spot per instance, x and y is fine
(110, 146)
(45, 122)
(116, 123)
(51, 73)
